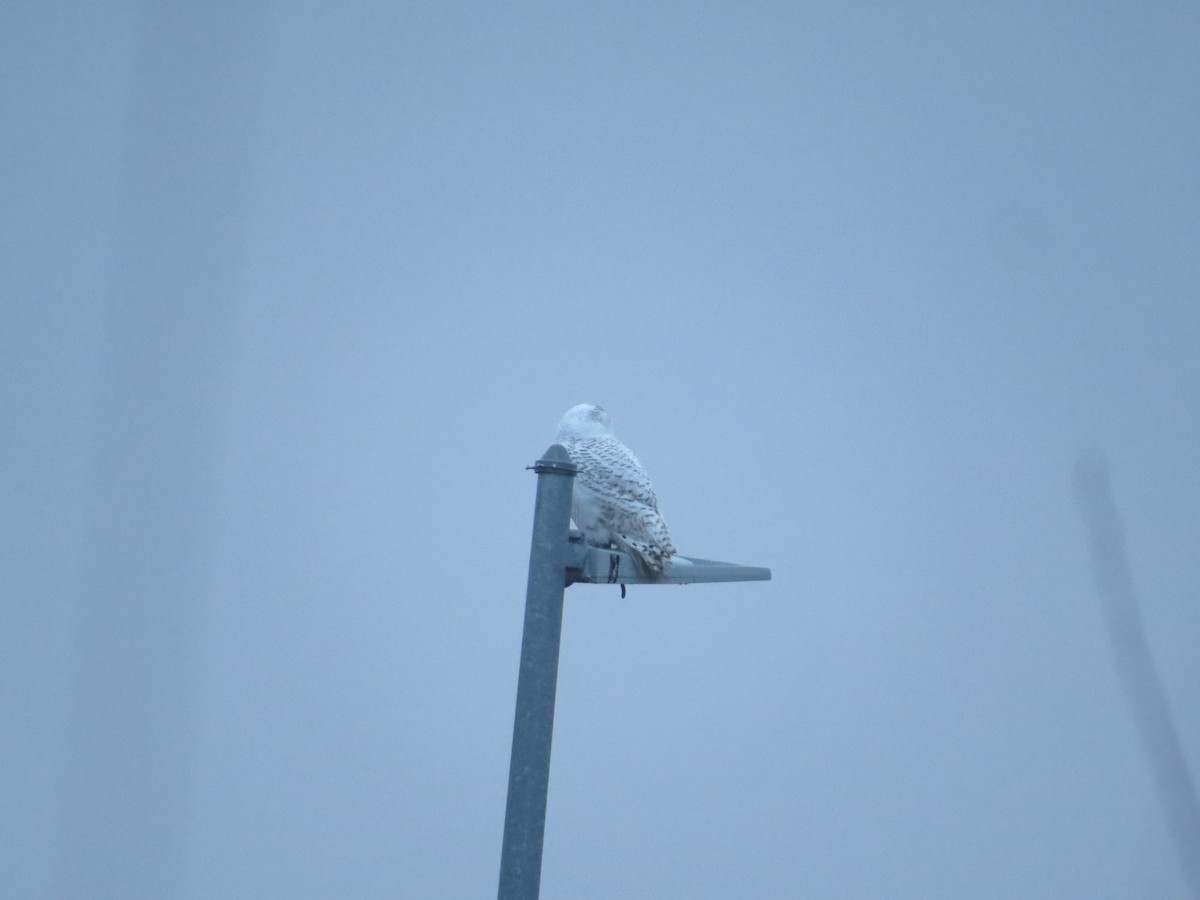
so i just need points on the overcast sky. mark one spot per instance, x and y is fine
(292, 297)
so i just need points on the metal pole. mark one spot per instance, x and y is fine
(533, 724)
(163, 388)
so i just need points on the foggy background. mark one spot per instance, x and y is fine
(291, 297)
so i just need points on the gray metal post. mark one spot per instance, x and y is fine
(533, 724)
(165, 375)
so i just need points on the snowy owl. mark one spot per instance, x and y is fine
(613, 502)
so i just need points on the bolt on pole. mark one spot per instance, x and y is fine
(533, 724)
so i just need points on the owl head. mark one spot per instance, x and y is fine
(584, 421)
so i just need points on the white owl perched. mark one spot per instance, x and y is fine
(613, 502)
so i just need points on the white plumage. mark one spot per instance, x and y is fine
(613, 502)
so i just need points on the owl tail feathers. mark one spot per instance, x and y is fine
(649, 556)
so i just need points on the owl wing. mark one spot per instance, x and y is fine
(627, 504)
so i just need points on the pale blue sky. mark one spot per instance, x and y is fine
(857, 282)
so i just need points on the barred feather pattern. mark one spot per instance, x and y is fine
(613, 501)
